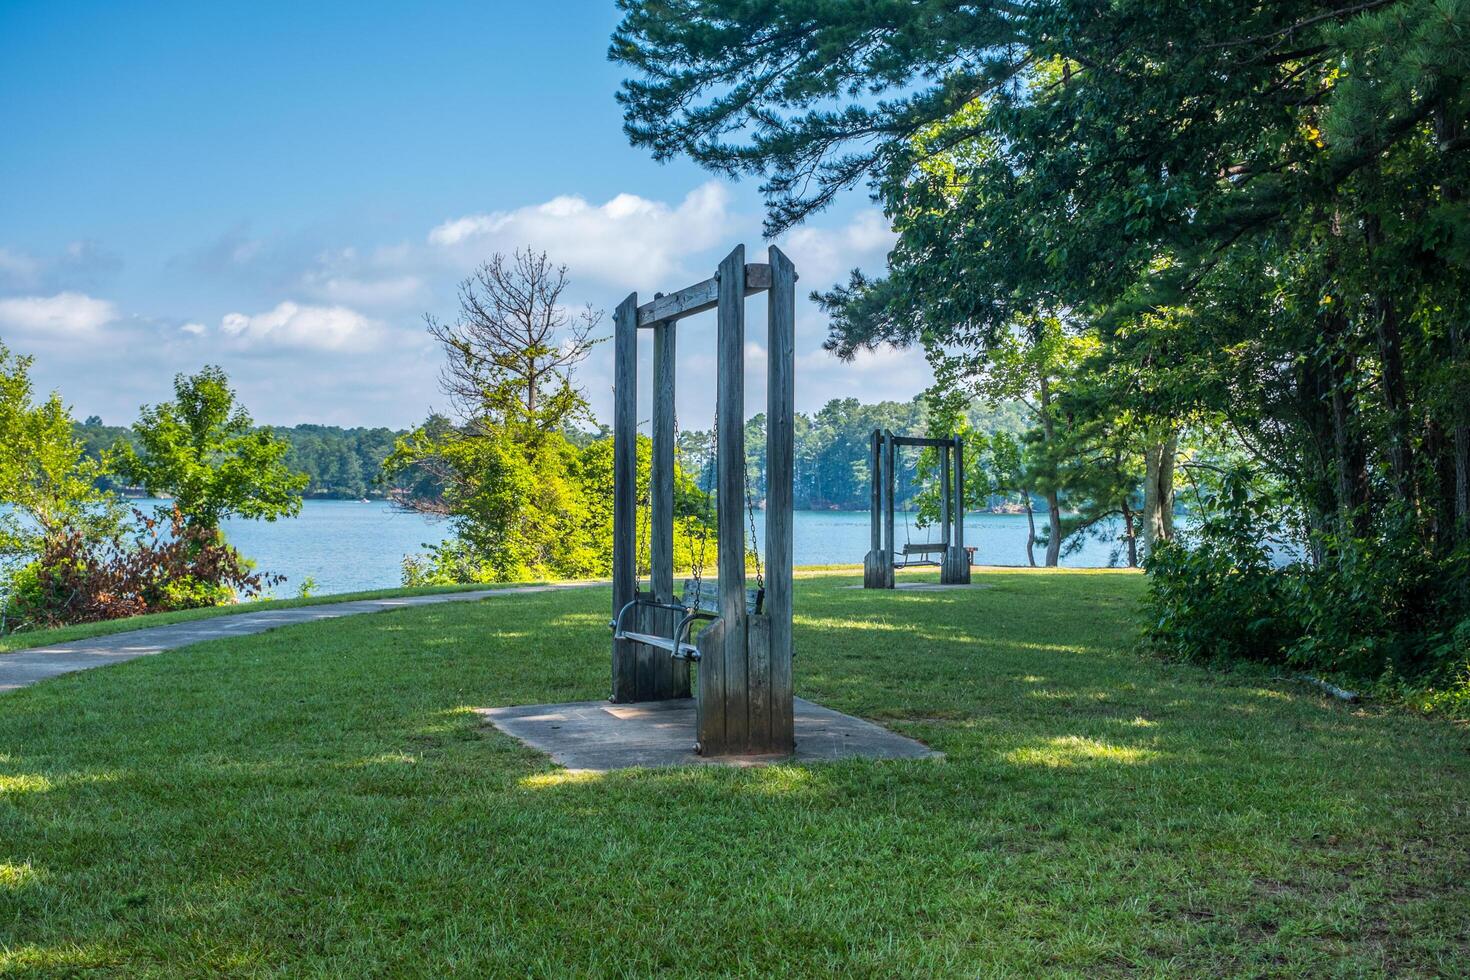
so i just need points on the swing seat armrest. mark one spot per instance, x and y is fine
(684, 650)
(617, 622)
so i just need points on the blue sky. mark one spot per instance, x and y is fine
(285, 189)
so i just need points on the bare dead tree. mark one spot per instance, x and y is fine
(514, 346)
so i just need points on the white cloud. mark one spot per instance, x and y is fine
(195, 329)
(65, 313)
(292, 325)
(825, 255)
(628, 239)
(390, 291)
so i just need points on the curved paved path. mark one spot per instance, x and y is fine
(26, 667)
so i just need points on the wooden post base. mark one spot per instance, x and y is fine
(741, 716)
(956, 567)
(877, 572)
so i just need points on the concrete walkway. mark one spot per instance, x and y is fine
(25, 667)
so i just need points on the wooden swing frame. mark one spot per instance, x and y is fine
(882, 557)
(744, 694)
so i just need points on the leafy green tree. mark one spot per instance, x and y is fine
(47, 482)
(203, 450)
(1258, 211)
(507, 473)
(998, 465)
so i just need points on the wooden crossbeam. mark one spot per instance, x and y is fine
(912, 440)
(700, 297)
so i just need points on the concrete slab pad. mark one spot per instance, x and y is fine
(598, 736)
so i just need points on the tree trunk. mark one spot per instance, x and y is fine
(1030, 531)
(1054, 524)
(1128, 535)
(1450, 127)
(1053, 508)
(1395, 389)
(1460, 444)
(1158, 491)
(1351, 459)
(1317, 485)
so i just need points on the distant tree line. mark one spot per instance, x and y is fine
(339, 463)
(832, 467)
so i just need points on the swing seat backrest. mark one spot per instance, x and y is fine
(704, 596)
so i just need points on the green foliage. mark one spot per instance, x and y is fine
(1219, 596)
(516, 505)
(531, 517)
(1384, 609)
(47, 482)
(1256, 215)
(203, 450)
(832, 446)
(339, 463)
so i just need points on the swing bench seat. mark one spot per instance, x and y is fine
(919, 554)
(700, 603)
(704, 596)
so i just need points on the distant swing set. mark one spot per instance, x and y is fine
(744, 703)
(949, 552)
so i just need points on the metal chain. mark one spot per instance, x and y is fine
(704, 524)
(760, 578)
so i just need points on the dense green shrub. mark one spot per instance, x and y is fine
(1381, 608)
(1216, 594)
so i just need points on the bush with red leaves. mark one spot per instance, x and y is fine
(77, 580)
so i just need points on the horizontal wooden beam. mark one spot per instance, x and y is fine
(700, 297)
(918, 441)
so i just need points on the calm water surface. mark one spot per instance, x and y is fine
(347, 546)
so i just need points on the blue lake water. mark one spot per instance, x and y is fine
(348, 546)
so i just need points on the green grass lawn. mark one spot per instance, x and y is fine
(323, 800)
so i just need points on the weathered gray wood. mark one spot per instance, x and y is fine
(759, 702)
(875, 509)
(944, 493)
(661, 468)
(706, 598)
(709, 707)
(873, 560)
(730, 502)
(956, 568)
(699, 297)
(772, 726)
(959, 491)
(888, 488)
(625, 489)
(670, 677)
(923, 442)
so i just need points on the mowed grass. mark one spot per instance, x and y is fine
(324, 800)
(25, 640)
